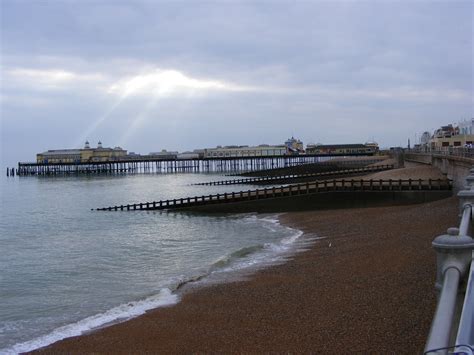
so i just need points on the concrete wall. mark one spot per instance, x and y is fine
(325, 200)
(455, 168)
(419, 158)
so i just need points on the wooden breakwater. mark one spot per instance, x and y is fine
(294, 177)
(315, 188)
(335, 163)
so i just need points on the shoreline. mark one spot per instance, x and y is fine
(235, 266)
(337, 296)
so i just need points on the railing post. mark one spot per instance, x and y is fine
(454, 255)
(466, 196)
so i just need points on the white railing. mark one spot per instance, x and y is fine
(450, 332)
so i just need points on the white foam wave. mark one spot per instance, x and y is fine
(271, 253)
(123, 312)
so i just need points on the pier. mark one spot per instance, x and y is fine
(163, 166)
(133, 166)
(282, 198)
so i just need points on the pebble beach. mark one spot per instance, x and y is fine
(367, 286)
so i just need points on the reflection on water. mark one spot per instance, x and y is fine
(62, 264)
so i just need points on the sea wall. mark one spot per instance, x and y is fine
(455, 168)
(326, 200)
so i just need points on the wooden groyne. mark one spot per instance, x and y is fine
(308, 188)
(322, 166)
(292, 177)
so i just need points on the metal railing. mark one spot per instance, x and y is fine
(462, 152)
(450, 332)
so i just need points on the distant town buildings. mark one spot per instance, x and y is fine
(449, 136)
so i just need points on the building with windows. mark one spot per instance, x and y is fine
(294, 146)
(245, 151)
(291, 146)
(342, 149)
(84, 155)
(451, 136)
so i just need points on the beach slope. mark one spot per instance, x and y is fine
(368, 286)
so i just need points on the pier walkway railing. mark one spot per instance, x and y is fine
(289, 190)
(281, 178)
(455, 281)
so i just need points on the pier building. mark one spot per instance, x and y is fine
(84, 155)
(294, 145)
(246, 151)
(342, 149)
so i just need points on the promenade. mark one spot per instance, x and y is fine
(366, 287)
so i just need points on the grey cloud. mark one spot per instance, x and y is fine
(335, 71)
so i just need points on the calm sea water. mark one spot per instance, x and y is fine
(65, 269)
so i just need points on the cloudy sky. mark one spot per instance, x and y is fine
(150, 75)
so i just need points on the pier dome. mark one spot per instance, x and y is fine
(86, 145)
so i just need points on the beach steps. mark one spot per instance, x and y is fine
(268, 180)
(337, 192)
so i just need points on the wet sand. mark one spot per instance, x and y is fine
(368, 287)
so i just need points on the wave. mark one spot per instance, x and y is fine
(260, 254)
(120, 313)
(243, 258)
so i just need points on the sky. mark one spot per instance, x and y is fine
(181, 75)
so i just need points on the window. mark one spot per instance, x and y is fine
(445, 144)
(457, 144)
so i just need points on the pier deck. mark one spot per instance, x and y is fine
(220, 164)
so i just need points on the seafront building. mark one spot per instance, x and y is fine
(450, 136)
(84, 155)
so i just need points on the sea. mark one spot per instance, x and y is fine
(66, 269)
